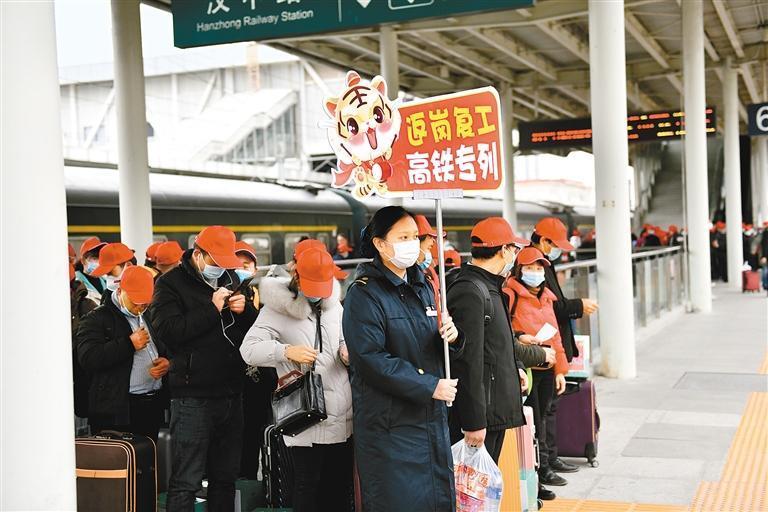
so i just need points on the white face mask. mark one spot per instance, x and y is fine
(406, 253)
(508, 266)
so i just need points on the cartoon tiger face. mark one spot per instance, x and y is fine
(366, 123)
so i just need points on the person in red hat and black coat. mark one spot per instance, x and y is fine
(550, 236)
(117, 346)
(491, 378)
(203, 324)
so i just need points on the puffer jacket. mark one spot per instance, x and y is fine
(287, 319)
(532, 312)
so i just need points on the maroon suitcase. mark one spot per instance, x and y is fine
(750, 281)
(578, 421)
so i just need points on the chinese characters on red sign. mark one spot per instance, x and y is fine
(448, 142)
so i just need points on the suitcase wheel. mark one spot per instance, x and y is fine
(591, 454)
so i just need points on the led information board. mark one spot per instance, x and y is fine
(643, 127)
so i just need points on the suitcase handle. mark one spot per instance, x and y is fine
(288, 378)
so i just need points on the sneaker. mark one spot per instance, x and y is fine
(561, 466)
(549, 477)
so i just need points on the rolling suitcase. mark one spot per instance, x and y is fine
(164, 459)
(116, 472)
(750, 281)
(528, 457)
(277, 464)
(578, 422)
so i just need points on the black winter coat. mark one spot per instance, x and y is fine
(80, 306)
(204, 361)
(402, 446)
(565, 311)
(105, 351)
(489, 394)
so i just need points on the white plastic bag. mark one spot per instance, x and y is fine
(479, 483)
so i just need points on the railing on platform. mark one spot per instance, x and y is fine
(658, 279)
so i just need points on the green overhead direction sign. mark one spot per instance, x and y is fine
(209, 22)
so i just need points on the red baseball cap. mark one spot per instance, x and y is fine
(219, 242)
(241, 246)
(453, 256)
(168, 253)
(425, 228)
(316, 272)
(89, 244)
(495, 232)
(151, 253)
(553, 229)
(673, 228)
(719, 224)
(71, 271)
(71, 250)
(343, 247)
(530, 255)
(139, 283)
(309, 243)
(110, 256)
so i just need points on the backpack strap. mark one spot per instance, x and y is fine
(488, 309)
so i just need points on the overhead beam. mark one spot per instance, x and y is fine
(421, 50)
(749, 82)
(730, 28)
(651, 46)
(469, 56)
(406, 62)
(517, 50)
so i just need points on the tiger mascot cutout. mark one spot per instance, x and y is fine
(364, 127)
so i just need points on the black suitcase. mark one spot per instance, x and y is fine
(116, 472)
(277, 464)
(163, 459)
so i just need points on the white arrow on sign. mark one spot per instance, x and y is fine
(364, 3)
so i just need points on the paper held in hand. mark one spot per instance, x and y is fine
(546, 332)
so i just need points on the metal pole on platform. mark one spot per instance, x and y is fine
(761, 169)
(608, 90)
(733, 235)
(389, 66)
(441, 276)
(697, 197)
(132, 163)
(37, 468)
(507, 122)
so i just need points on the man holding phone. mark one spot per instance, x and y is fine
(202, 319)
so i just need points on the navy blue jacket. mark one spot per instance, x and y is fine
(402, 446)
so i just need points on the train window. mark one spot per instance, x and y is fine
(291, 239)
(262, 243)
(323, 237)
(191, 241)
(159, 238)
(453, 239)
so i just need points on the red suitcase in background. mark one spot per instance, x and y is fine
(750, 281)
(578, 421)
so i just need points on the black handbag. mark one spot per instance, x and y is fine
(299, 401)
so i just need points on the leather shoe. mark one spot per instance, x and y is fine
(561, 466)
(549, 477)
(546, 494)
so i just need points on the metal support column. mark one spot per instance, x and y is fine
(608, 90)
(390, 69)
(37, 467)
(696, 195)
(732, 176)
(510, 209)
(132, 163)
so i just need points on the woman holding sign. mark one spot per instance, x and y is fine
(399, 395)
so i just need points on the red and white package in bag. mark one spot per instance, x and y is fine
(479, 482)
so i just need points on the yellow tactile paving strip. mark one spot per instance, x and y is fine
(564, 505)
(744, 484)
(745, 475)
(764, 366)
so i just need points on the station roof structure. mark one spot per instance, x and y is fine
(543, 53)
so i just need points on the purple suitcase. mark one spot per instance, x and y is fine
(578, 421)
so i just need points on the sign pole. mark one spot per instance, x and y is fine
(438, 195)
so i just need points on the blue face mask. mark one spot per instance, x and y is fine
(90, 266)
(314, 300)
(533, 278)
(554, 253)
(424, 265)
(243, 274)
(111, 283)
(211, 271)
